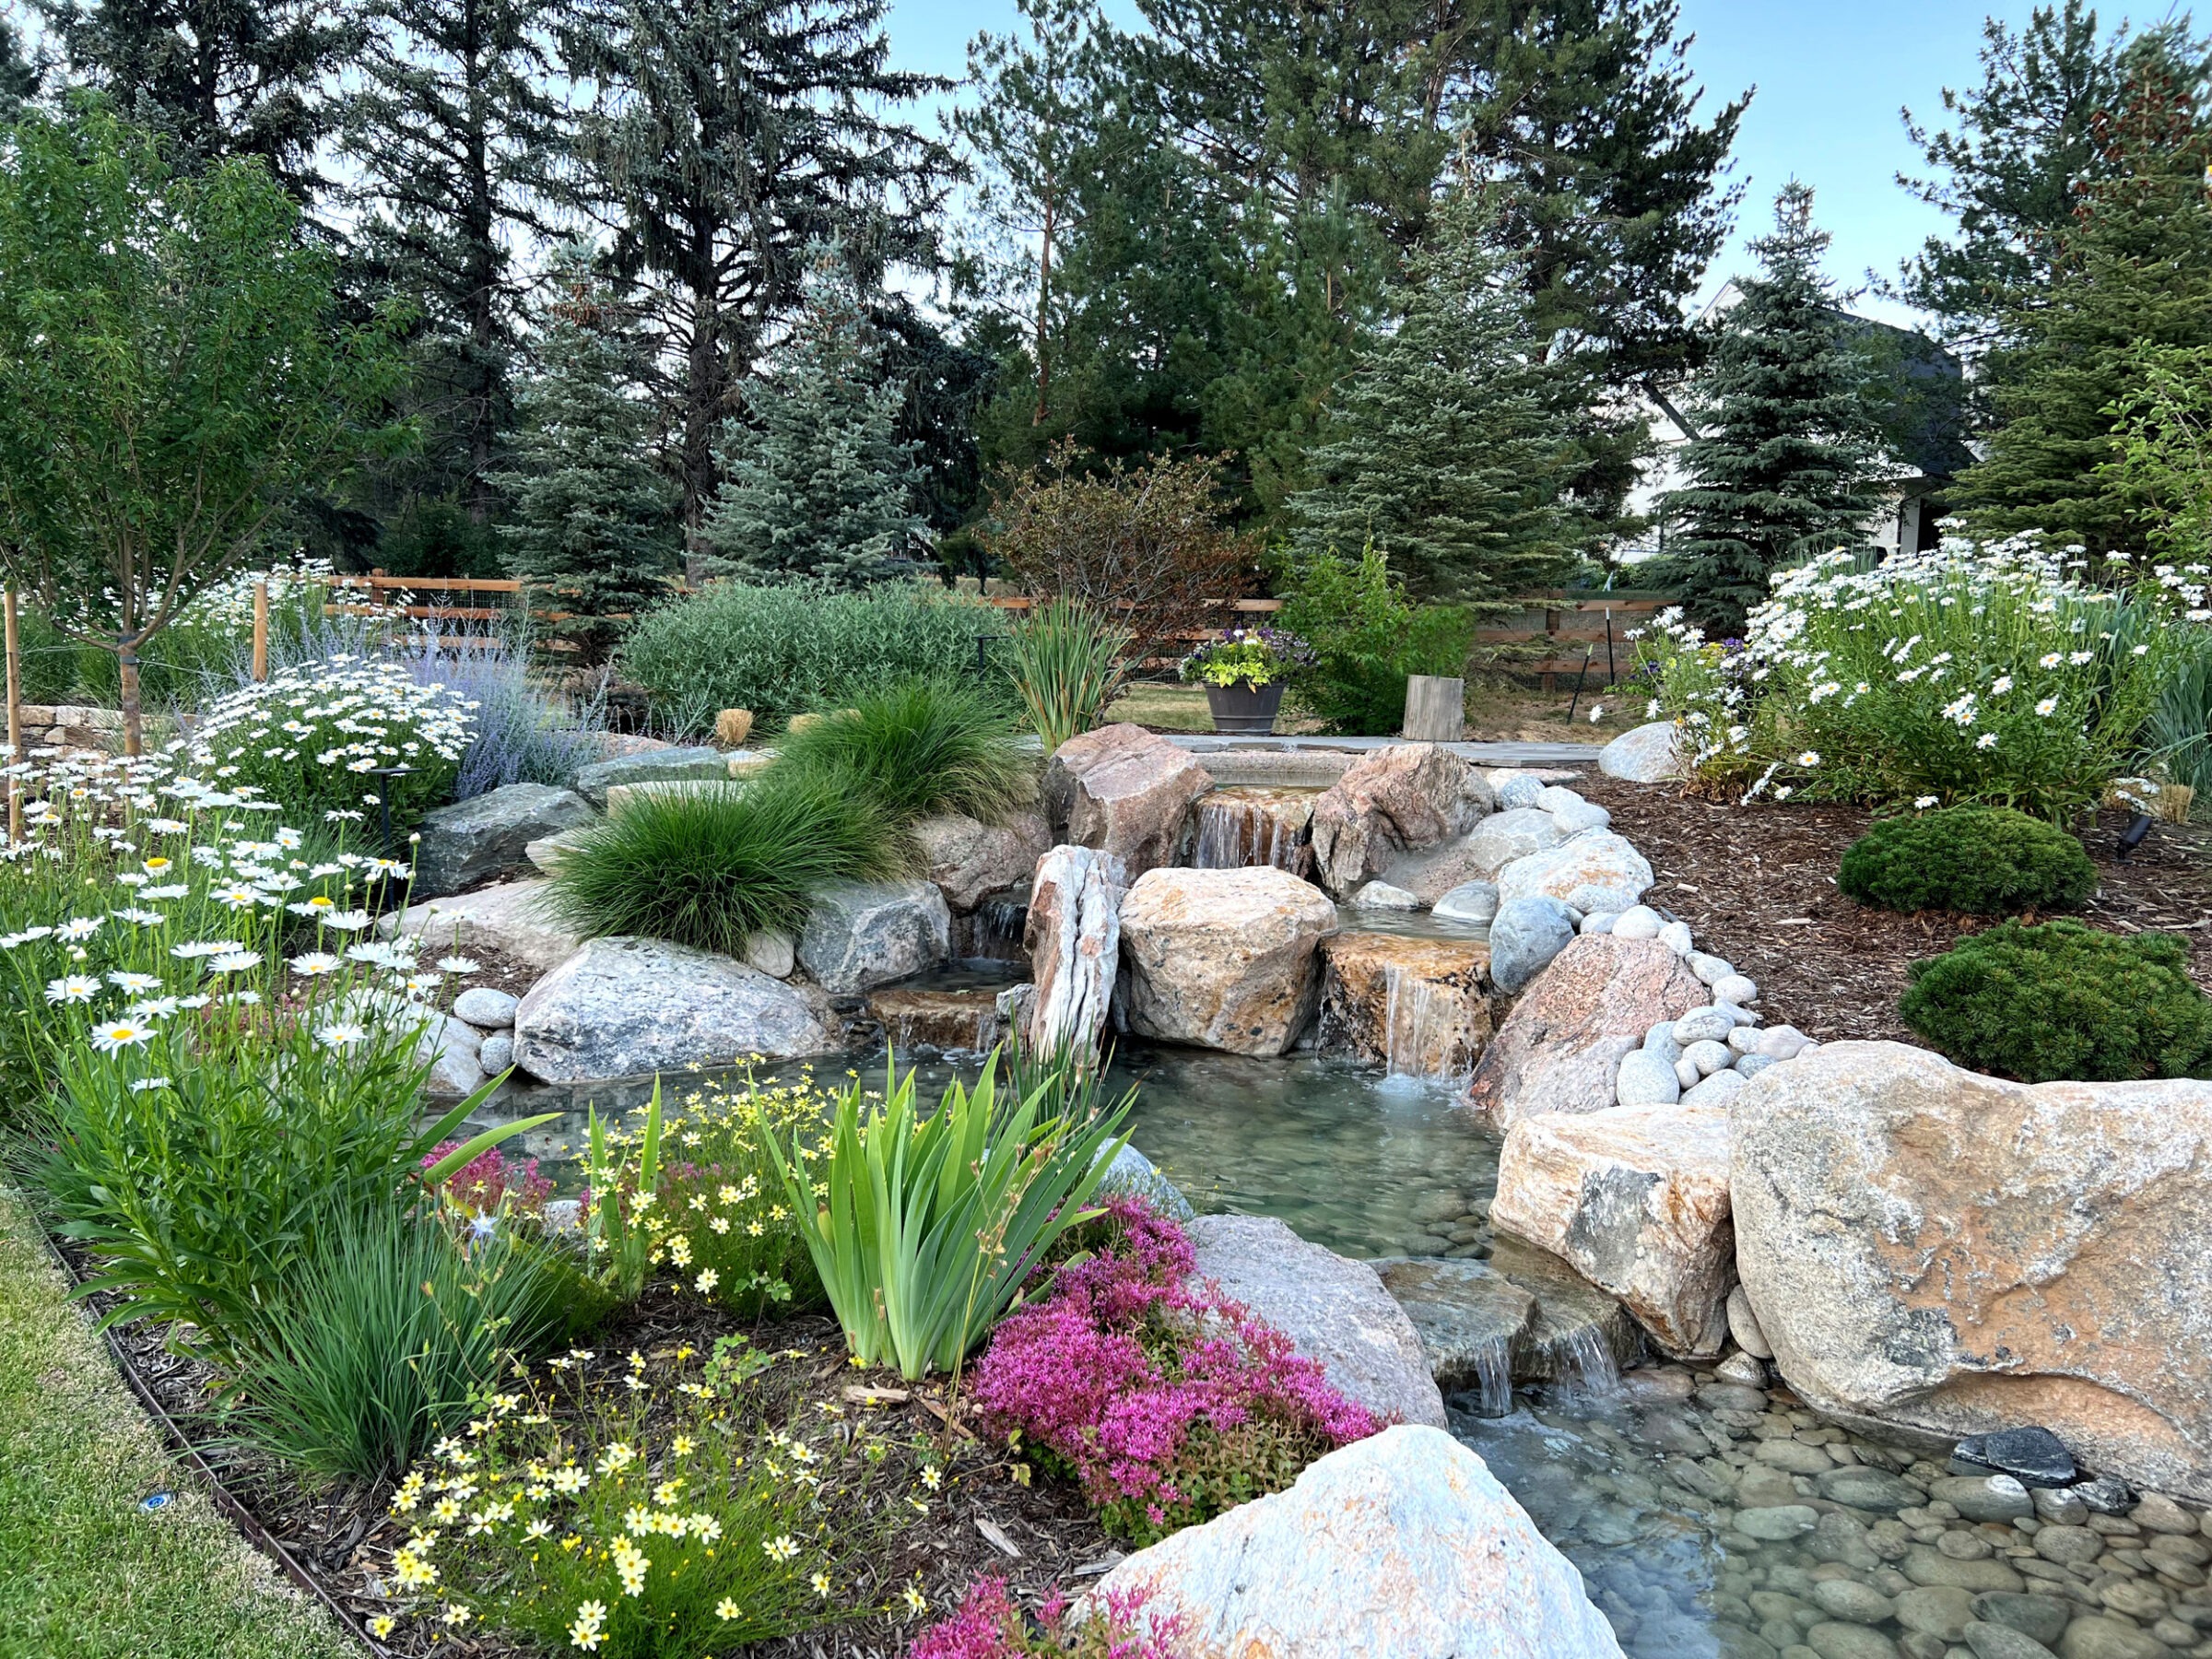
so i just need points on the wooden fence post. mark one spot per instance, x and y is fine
(15, 717)
(261, 630)
(1436, 709)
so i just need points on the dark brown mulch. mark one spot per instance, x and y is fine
(1758, 884)
(345, 1537)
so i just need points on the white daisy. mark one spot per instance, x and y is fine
(120, 1035)
(316, 964)
(75, 988)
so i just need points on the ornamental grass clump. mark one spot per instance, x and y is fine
(1067, 661)
(1984, 861)
(1166, 1403)
(2059, 1000)
(919, 748)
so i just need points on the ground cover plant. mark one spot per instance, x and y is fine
(2058, 1000)
(1167, 1405)
(989, 1626)
(1987, 861)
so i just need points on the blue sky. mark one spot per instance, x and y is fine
(1831, 78)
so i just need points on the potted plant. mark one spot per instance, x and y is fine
(1244, 673)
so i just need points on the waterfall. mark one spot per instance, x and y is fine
(1418, 1021)
(1494, 1376)
(1238, 829)
(1584, 1355)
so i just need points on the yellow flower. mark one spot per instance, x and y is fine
(382, 1626)
(915, 1601)
(820, 1583)
(681, 1445)
(781, 1548)
(726, 1608)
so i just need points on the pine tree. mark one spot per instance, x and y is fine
(1786, 463)
(727, 138)
(1443, 447)
(454, 134)
(20, 74)
(593, 530)
(816, 481)
(2133, 270)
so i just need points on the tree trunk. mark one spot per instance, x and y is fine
(134, 722)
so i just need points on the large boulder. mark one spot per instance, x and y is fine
(1333, 1309)
(488, 838)
(1636, 1200)
(1400, 1546)
(652, 766)
(1390, 801)
(1596, 870)
(1074, 938)
(860, 935)
(970, 860)
(1559, 1048)
(1224, 959)
(1649, 754)
(1408, 1005)
(1952, 1253)
(623, 1007)
(1124, 791)
(513, 920)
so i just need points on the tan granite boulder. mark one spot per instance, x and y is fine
(1412, 1006)
(968, 860)
(1558, 1050)
(1636, 1200)
(1122, 790)
(1949, 1251)
(1390, 801)
(1224, 959)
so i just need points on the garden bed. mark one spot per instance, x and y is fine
(1757, 885)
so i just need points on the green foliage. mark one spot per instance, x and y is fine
(2179, 734)
(2059, 1000)
(1785, 462)
(382, 1334)
(923, 1229)
(711, 868)
(2164, 468)
(1987, 861)
(918, 748)
(193, 375)
(816, 482)
(1368, 638)
(783, 650)
(620, 1230)
(1444, 446)
(1067, 661)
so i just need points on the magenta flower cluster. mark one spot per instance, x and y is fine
(1155, 1392)
(489, 1181)
(989, 1626)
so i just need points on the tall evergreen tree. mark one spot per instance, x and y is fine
(455, 134)
(1444, 446)
(20, 74)
(592, 530)
(816, 482)
(727, 138)
(2133, 269)
(1786, 462)
(219, 77)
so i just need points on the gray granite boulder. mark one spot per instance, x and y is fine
(968, 860)
(512, 919)
(1475, 901)
(655, 766)
(623, 1007)
(1470, 1318)
(486, 839)
(455, 1051)
(1133, 1175)
(861, 934)
(1524, 937)
(1596, 870)
(486, 1008)
(1333, 1309)
(1646, 755)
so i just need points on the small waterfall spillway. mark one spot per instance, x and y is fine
(1238, 829)
(1421, 1022)
(1413, 1006)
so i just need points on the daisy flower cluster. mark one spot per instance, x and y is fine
(610, 1503)
(1973, 672)
(334, 737)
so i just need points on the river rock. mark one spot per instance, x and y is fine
(1391, 801)
(655, 766)
(2041, 1618)
(1381, 895)
(623, 1007)
(1983, 1497)
(2001, 1641)
(1335, 1310)
(860, 935)
(513, 919)
(1560, 1047)
(486, 1008)
(1414, 1006)
(775, 953)
(1470, 1318)
(1647, 1078)
(1400, 1546)
(969, 861)
(1124, 791)
(1526, 935)
(497, 1053)
(1743, 1326)
(1647, 754)
(488, 838)
(1223, 959)
(1955, 1254)
(1074, 938)
(1861, 1487)
(1636, 1200)
(1473, 901)
(1595, 871)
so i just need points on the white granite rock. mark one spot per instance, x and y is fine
(1707, 1057)
(1381, 895)
(1598, 921)
(1637, 922)
(1645, 755)
(486, 1010)
(1735, 988)
(1661, 1040)
(1647, 1078)
(1709, 969)
(1781, 1042)
(775, 954)
(1516, 788)
(1716, 1090)
(1703, 1025)
(1583, 814)
(1469, 902)
(1676, 937)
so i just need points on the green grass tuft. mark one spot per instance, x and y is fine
(920, 748)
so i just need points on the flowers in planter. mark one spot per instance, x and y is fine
(1250, 657)
(1167, 1405)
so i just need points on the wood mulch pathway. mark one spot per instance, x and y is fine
(1758, 884)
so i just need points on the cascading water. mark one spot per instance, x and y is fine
(1494, 1377)
(1240, 828)
(1585, 1355)
(1419, 1024)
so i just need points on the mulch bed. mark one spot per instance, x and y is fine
(1758, 884)
(346, 1539)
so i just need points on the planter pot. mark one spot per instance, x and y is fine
(1245, 708)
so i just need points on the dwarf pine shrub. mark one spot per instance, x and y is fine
(1987, 861)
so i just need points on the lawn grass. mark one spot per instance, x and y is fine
(85, 1573)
